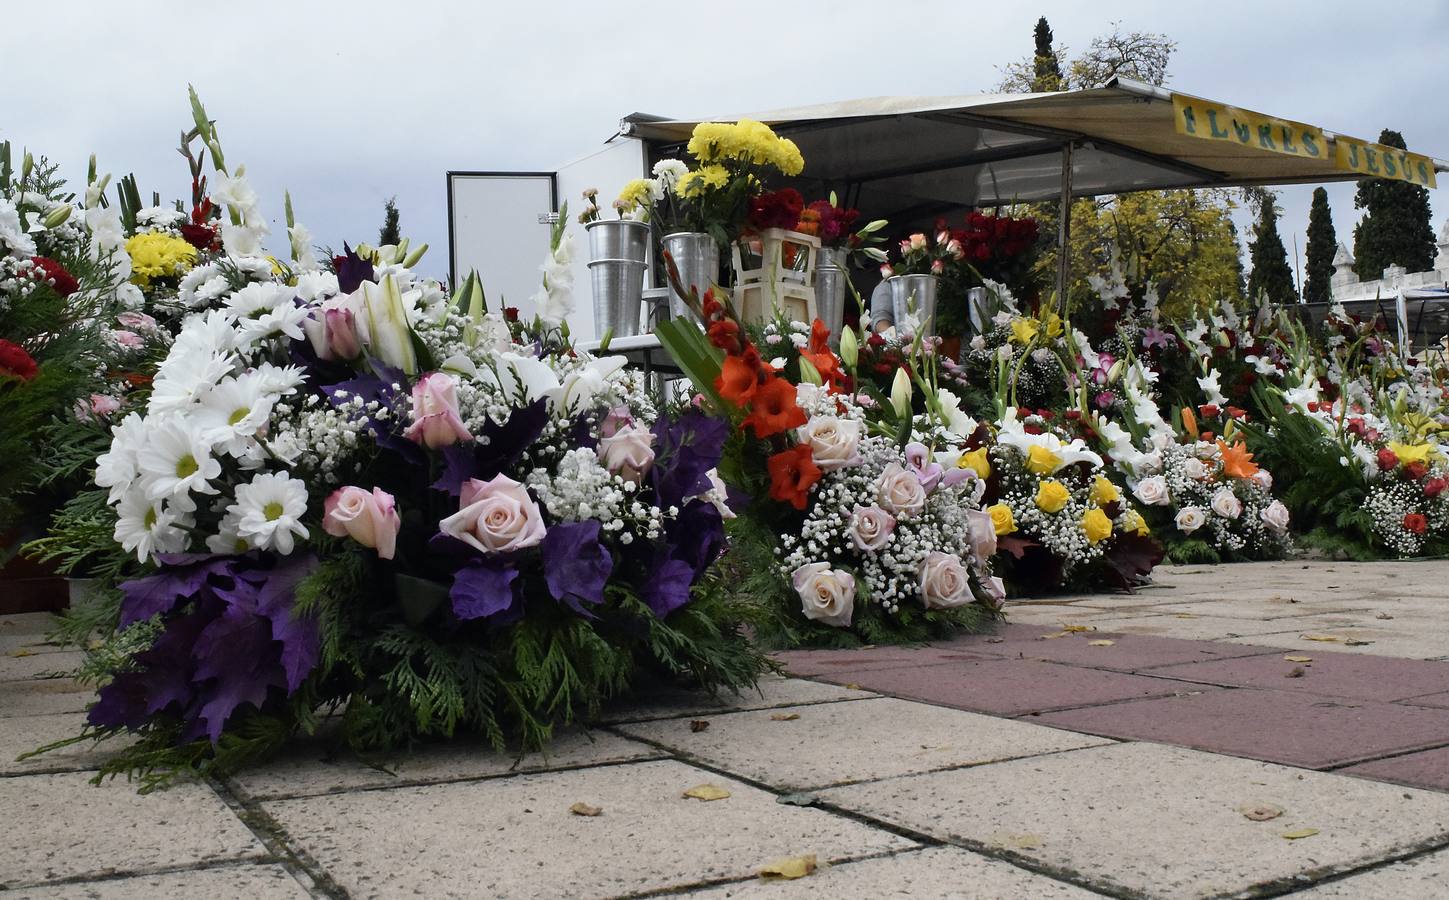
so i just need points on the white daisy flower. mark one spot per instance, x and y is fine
(147, 527)
(268, 511)
(176, 459)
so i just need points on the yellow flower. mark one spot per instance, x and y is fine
(1051, 496)
(1412, 453)
(703, 179)
(1132, 521)
(977, 460)
(745, 142)
(635, 194)
(1001, 518)
(1053, 325)
(1023, 331)
(1096, 526)
(158, 255)
(1041, 461)
(1104, 491)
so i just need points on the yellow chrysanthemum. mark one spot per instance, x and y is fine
(1041, 461)
(706, 178)
(158, 255)
(1051, 496)
(1412, 453)
(1096, 526)
(745, 142)
(1023, 331)
(978, 460)
(635, 194)
(1001, 518)
(1104, 491)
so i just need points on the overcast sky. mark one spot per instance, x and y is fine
(346, 104)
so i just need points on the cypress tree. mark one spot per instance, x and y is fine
(1048, 73)
(390, 233)
(1271, 274)
(1396, 229)
(1322, 245)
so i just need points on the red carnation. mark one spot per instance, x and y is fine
(15, 362)
(779, 209)
(1415, 523)
(1434, 487)
(1388, 460)
(47, 269)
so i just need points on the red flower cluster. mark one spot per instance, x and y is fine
(15, 362)
(1415, 523)
(994, 238)
(776, 209)
(47, 269)
(200, 232)
(835, 223)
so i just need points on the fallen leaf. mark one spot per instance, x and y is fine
(707, 792)
(1077, 629)
(797, 799)
(1186, 616)
(1260, 812)
(1355, 642)
(1299, 658)
(784, 717)
(1324, 638)
(22, 651)
(1383, 616)
(698, 725)
(1014, 840)
(583, 809)
(790, 867)
(1102, 643)
(995, 640)
(854, 687)
(1054, 636)
(1298, 672)
(1300, 833)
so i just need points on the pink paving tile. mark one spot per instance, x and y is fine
(1335, 674)
(1429, 769)
(1127, 652)
(1010, 687)
(812, 663)
(1438, 700)
(1277, 726)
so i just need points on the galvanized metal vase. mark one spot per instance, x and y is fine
(831, 279)
(618, 250)
(696, 255)
(915, 295)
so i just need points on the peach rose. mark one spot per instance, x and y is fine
(496, 516)
(368, 517)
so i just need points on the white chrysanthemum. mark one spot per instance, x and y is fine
(228, 539)
(146, 527)
(269, 511)
(118, 467)
(280, 379)
(176, 459)
(184, 378)
(317, 285)
(12, 236)
(235, 410)
(267, 308)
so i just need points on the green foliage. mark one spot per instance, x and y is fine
(1322, 245)
(391, 233)
(1271, 275)
(1047, 70)
(1395, 229)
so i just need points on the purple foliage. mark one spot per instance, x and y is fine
(484, 588)
(685, 449)
(575, 565)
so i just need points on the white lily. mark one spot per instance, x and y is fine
(385, 321)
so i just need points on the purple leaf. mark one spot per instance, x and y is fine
(685, 449)
(666, 588)
(181, 577)
(352, 270)
(482, 589)
(575, 565)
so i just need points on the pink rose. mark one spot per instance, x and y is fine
(436, 422)
(983, 534)
(136, 321)
(871, 527)
(104, 404)
(617, 418)
(332, 330)
(628, 452)
(128, 339)
(945, 583)
(826, 595)
(899, 492)
(370, 518)
(495, 516)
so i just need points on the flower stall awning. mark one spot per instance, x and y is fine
(910, 157)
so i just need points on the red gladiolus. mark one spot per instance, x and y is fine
(1434, 487)
(47, 269)
(1414, 523)
(1388, 460)
(738, 380)
(792, 472)
(773, 409)
(15, 362)
(1208, 410)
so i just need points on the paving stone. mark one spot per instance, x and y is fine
(21, 734)
(1270, 608)
(1427, 769)
(1159, 821)
(1440, 701)
(945, 872)
(1191, 626)
(1013, 687)
(32, 664)
(834, 743)
(810, 663)
(255, 882)
(1422, 876)
(669, 703)
(39, 698)
(514, 837)
(1407, 637)
(61, 826)
(1278, 726)
(1126, 653)
(37, 625)
(1334, 674)
(311, 769)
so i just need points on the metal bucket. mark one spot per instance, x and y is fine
(618, 289)
(618, 239)
(696, 255)
(918, 293)
(831, 279)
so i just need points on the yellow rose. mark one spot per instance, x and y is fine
(1051, 496)
(978, 460)
(1132, 521)
(1001, 518)
(1104, 491)
(1041, 461)
(1096, 526)
(1412, 453)
(1023, 331)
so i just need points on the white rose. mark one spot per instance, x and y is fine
(1150, 463)
(834, 443)
(945, 583)
(628, 452)
(900, 492)
(1275, 516)
(1226, 504)
(871, 527)
(1194, 468)
(807, 394)
(1205, 449)
(1153, 491)
(826, 595)
(1190, 519)
(1264, 479)
(496, 516)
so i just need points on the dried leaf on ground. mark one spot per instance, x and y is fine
(1186, 616)
(1054, 636)
(21, 652)
(789, 867)
(707, 792)
(854, 687)
(797, 799)
(1322, 638)
(1016, 840)
(584, 809)
(1299, 658)
(784, 717)
(698, 725)
(1077, 629)
(1355, 642)
(1260, 812)
(995, 640)
(1102, 643)
(1300, 833)
(1383, 616)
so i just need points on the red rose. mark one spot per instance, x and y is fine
(1388, 459)
(1415, 523)
(47, 269)
(1434, 487)
(1416, 470)
(510, 313)
(15, 362)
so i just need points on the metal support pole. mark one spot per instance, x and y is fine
(1064, 229)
